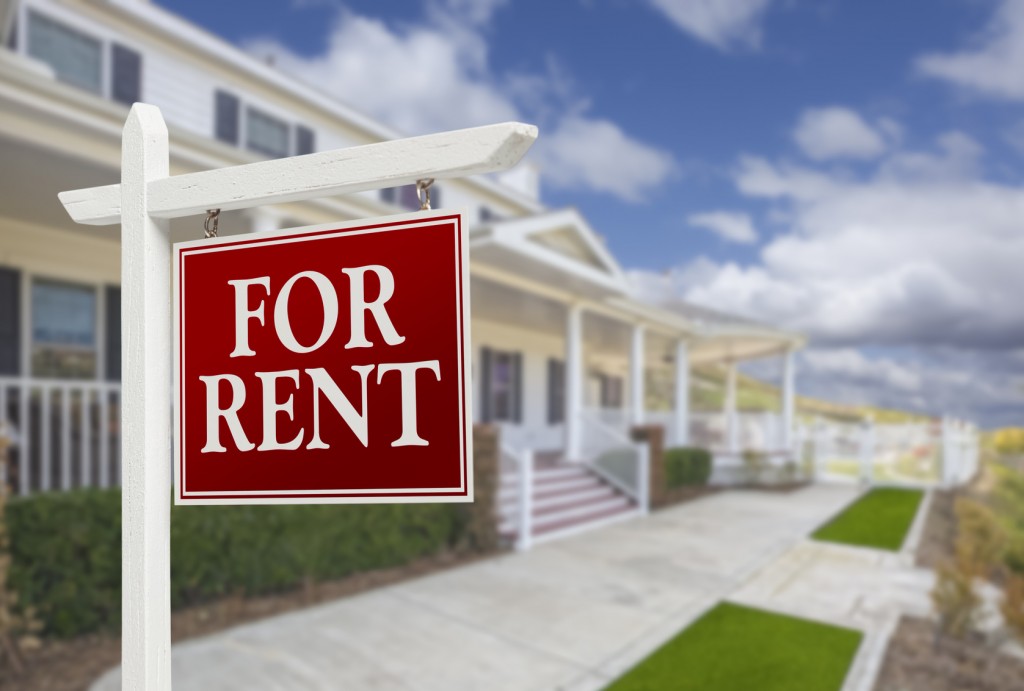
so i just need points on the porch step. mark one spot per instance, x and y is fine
(546, 501)
(590, 519)
(548, 475)
(565, 498)
(583, 481)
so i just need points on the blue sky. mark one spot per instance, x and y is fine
(849, 169)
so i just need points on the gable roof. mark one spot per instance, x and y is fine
(562, 240)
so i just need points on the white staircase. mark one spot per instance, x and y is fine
(567, 498)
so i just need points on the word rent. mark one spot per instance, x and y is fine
(258, 304)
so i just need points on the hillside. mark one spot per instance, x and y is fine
(708, 394)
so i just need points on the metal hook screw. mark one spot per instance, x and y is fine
(214, 216)
(423, 193)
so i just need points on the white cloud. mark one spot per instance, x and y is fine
(724, 24)
(835, 132)
(731, 226)
(853, 366)
(596, 154)
(436, 75)
(994, 64)
(969, 385)
(919, 251)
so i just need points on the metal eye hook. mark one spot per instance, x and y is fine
(212, 215)
(423, 193)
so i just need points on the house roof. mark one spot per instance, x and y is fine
(558, 248)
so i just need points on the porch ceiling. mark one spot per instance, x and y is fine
(603, 335)
(34, 176)
(737, 347)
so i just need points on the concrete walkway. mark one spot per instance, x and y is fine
(572, 614)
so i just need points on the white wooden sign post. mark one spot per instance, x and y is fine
(144, 203)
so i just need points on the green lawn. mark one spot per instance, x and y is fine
(734, 648)
(880, 519)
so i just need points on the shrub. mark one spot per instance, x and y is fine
(1009, 440)
(687, 465)
(1012, 606)
(980, 539)
(66, 550)
(1008, 502)
(955, 600)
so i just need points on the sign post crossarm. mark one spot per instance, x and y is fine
(145, 408)
(458, 153)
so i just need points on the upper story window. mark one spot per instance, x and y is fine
(258, 130)
(75, 58)
(79, 59)
(265, 134)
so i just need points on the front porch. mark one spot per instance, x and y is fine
(567, 363)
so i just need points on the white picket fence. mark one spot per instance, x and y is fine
(939, 453)
(63, 432)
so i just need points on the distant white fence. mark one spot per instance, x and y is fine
(927, 454)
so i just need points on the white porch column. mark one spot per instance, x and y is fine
(732, 428)
(636, 376)
(681, 414)
(788, 398)
(574, 384)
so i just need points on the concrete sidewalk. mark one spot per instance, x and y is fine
(572, 614)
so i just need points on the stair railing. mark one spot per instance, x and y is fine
(524, 467)
(617, 459)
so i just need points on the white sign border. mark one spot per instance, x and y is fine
(431, 495)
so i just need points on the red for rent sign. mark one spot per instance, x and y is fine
(324, 364)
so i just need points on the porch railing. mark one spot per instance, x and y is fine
(64, 433)
(617, 458)
(520, 464)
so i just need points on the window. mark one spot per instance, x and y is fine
(126, 75)
(226, 117)
(63, 330)
(556, 391)
(265, 134)
(74, 57)
(502, 386)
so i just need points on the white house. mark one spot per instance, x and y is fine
(562, 345)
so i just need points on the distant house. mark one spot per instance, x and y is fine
(561, 345)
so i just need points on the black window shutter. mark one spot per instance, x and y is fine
(226, 117)
(556, 391)
(112, 356)
(517, 387)
(305, 140)
(126, 80)
(10, 321)
(485, 384)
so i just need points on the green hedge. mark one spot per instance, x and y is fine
(687, 465)
(66, 550)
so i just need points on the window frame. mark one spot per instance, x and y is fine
(248, 110)
(28, 342)
(25, 18)
(20, 33)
